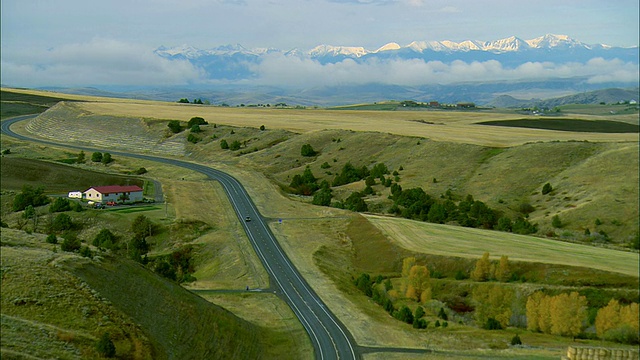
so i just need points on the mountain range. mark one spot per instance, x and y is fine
(545, 67)
(235, 62)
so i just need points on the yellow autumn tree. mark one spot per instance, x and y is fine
(492, 301)
(544, 315)
(629, 315)
(533, 311)
(608, 317)
(407, 264)
(503, 272)
(482, 271)
(567, 312)
(418, 283)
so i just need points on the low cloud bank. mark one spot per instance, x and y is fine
(282, 70)
(98, 62)
(111, 62)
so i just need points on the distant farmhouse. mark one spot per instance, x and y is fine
(115, 193)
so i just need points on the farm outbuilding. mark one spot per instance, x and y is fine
(75, 195)
(115, 193)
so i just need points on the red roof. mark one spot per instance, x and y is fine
(116, 189)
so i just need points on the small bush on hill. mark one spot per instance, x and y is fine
(196, 120)
(59, 205)
(547, 188)
(174, 126)
(224, 145)
(61, 222)
(105, 346)
(96, 157)
(52, 239)
(307, 150)
(70, 242)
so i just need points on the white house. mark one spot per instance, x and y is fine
(75, 195)
(115, 193)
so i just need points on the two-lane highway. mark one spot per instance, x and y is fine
(330, 338)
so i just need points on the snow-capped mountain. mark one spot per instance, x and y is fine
(235, 62)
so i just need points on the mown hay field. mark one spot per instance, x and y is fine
(467, 242)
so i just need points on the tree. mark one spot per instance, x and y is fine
(183, 101)
(142, 227)
(568, 312)
(307, 150)
(407, 264)
(29, 212)
(418, 286)
(29, 196)
(503, 273)
(60, 204)
(105, 239)
(196, 120)
(174, 126)
(70, 242)
(482, 270)
(556, 222)
(81, 157)
(105, 346)
(106, 158)
(52, 239)
(235, 145)
(322, 197)
(96, 157)
(262, 128)
(61, 222)
(492, 302)
(195, 129)
(224, 145)
(547, 188)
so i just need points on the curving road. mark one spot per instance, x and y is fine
(330, 338)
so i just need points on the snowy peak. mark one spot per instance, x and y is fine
(512, 43)
(388, 47)
(324, 50)
(553, 41)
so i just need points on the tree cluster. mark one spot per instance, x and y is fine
(618, 322)
(492, 306)
(30, 196)
(562, 314)
(100, 157)
(417, 205)
(486, 270)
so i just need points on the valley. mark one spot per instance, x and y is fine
(594, 177)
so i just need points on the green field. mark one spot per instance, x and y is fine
(577, 125)
(55, 178)
(15, 104)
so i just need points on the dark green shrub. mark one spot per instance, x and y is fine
(196, 120)
(307, 150)
(442, 314)
(61, 222)
(224, 145)
(492, 324)
(515, 340)
(96, 157)
(174, 126)
(235, 145)
(105, 346)
(52, 239)
(547, 188)
(70, 243)
(60, 204)
(193, 139)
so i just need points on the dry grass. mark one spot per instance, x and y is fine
(447, 125)
(466, 242)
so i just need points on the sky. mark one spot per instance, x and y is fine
(83, 42)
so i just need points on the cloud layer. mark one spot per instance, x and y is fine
(109, 62)
(282, 70)
(98, 62)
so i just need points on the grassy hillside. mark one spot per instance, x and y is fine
(594, 177)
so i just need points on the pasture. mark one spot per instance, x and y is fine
(459, 241)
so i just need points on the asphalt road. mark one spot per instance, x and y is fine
(330, 338)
